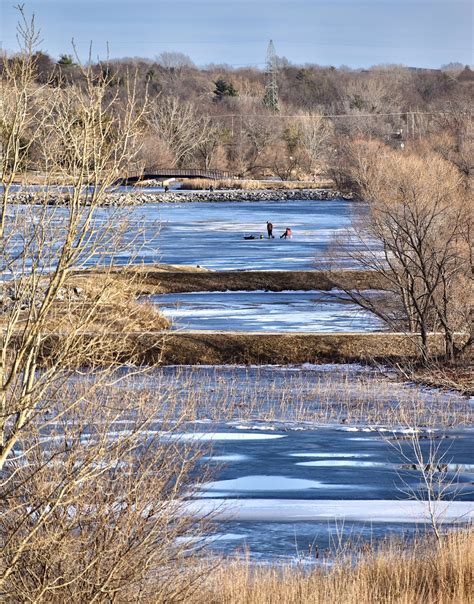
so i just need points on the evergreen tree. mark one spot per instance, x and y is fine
(66, 61)
(224, 89)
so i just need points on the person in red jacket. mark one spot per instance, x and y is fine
(287, 233)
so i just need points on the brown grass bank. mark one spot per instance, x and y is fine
(238, 348)
(216, 348)
(161, 279)
(422, 572)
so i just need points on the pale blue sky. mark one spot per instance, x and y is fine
(357, 33)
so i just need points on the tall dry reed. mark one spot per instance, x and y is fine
(422, 572)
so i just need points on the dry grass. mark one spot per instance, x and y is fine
(303, 396)
(153, 347)
(155, 281)
(198, 184)
(117, 316)
(219, 348)
(423, 572)
(113, 307)
(458, 374)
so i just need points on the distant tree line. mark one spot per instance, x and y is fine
(216, 117)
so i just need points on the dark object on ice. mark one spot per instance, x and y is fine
(249, 237)
(166, 188)
(440, 467)
(270, 230)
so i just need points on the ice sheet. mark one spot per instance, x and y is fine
(254, 484)
(227, 458)
(338, 463)
(330, 455)
(293, 510)
(267, 311)
(214, 436)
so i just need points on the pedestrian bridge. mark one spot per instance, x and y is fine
(163, 174)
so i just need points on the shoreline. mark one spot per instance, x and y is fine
(133, 198)
(170, 282)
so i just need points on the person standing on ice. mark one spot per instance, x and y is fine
(270, 230)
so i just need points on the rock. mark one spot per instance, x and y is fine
(236, 195)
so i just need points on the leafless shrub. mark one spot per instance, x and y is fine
(90, 487)
(91, 501)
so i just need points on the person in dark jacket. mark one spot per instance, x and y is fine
(270, 230)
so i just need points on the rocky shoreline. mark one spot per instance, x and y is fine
(141, 198)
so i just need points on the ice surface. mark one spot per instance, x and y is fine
(334, 463)
(227, 458)
(212, 436)
(330, 455)
(257, 483)
(211, 234)
(268, 311)
(293, 510)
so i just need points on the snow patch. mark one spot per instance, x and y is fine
(213, 436)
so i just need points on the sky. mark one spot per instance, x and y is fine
(356, 33)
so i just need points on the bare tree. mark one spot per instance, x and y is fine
(259, 133)
(421, 447)
(316, 133)
(415, 237)
(92, 502)
(181, 126)
(209, 146)
(91, 483)
(174, 61)
(20, 108)
(455, 138)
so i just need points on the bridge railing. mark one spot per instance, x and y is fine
(193, 173)
(179, 173)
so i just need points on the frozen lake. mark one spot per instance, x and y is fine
(212, 234)
(283, 494)
(297, 455)
(266, 311)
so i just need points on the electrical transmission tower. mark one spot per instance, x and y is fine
(271, 90)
